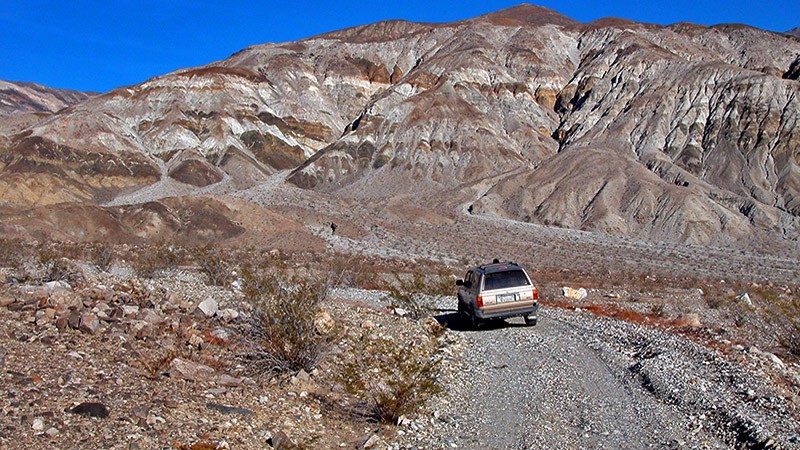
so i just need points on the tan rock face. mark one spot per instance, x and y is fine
(685, 133)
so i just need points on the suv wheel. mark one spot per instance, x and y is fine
(466, 317)
(531, 320)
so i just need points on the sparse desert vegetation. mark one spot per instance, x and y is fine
(252, 328)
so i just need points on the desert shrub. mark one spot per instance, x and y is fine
(215, 267)
(355, 271)
(11, 252)
(417, 294)
(52, 266)
(101, 255)
(782, 311)
(281, 333)
(392, 379)
(18, 257)
(150, 261)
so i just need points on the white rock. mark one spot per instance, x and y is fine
(745, 297)
(55, 285)
(324, 323)
(208, 307)
(228, 314)
(128, 310)
(38, 424)
(774, 358)
(400, 312)
(575, 294)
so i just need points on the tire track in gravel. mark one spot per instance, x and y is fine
(554, 386)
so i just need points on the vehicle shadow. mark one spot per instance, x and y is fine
(449, 319)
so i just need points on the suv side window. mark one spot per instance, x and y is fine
(476, 281)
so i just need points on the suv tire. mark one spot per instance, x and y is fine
(467, 318)
(531, 321)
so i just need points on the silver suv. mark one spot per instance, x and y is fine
(497, 291)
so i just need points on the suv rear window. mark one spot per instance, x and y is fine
(502, 280)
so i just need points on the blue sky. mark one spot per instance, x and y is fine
(99, 45)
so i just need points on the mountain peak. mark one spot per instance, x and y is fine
(527, 14)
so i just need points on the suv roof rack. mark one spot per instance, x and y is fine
(497, 262)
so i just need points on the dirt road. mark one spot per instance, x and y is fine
(578, 381)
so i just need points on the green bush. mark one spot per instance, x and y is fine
(101, 255)
(55, 267)
(216, 268)
(281, 333)
(150, 261)
(417, 294)
(393, 379)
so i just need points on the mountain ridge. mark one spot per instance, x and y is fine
(26, 97)
(704, 118)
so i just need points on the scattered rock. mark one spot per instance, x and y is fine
(225, 409)
(102, 310)
(208, 307)
(5, 301)
(91, 409)
(574, 294)
(228, 314)
(37, 424)
(280, 440)
(128, 310)
(51, 286)
(324, 323)
(89, 323)
(190, 370)
(400, 312)
(691, 320)
(372, 442)
(301, 377)
(150, 316)
(745, 297)
(230, 381)
(52, 432)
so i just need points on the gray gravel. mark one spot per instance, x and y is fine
(579, 381)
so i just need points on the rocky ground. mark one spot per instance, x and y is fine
(162, 358)
(664, 349)
(114, 360)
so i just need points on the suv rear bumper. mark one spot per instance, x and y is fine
(528, 311)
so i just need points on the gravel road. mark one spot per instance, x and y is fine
(579, 381)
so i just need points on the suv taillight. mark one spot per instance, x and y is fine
(535, 294)
(479, 301)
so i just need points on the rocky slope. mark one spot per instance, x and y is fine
(683, 133)
(17, 98)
